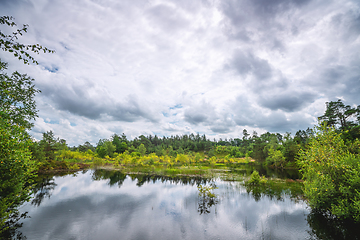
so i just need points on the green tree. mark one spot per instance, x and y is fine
(17, 102)
(105, 147)
(17, 109)
(16, 169)
(332, 175)
(49, 144)
(119, 143)
(337, 113)
(275, 157)
(86, 146)
(21, 51)
(100, 150)
(142, 149)
(109, 148)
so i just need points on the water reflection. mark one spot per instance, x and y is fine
(324, 226)
(116, 177)
(13, 227)
(43, 188)
(105, 204)
(247, 169)
(276, 189)
(207, 198)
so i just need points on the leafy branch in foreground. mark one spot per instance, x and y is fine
(17, 109)
(17, 102)
(20, 51)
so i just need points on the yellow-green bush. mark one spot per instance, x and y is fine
(332, 175)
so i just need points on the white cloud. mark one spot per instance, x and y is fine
(123, 66)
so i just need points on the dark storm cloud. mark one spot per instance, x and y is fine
(282, 56)
(245, 63)
(194, 117)
(263, 77)
(221, 128)
(246, 114)
(289, 101)
(223, 124)
(349, 25)
(12, 3)
(264, 11)
(77, 100)
(205, 114)
(273, 7)
(336, 78)
(260, 21)
(200, 113)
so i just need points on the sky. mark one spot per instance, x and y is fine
(171, 67)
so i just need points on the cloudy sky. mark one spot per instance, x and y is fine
(169, 67)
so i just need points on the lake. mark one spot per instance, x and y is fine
(104, 204)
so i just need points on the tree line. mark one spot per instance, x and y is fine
(272, 149)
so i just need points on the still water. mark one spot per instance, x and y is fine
(101, 204)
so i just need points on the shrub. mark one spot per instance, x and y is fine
(98, 161)
(332, 175)
(255, 178)
(75, 167)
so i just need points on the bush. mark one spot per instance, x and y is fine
(332, 175)
(74, 167)
(255, 178)
(16, 169)
(98, 161)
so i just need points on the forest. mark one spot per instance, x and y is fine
(270, 149)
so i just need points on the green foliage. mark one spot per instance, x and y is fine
(17, 98)
(212, 161)
(20, 51)
(85, 147)
(135, 154)
(255, 178)
(98, 161)
(101, 151)
(16, 169)
(77, 156)
(109, 148)
(74, 167)
(211, 153)
(275, 157)
(17, 109)
(182, 159)
(332, 175)
(337, 113)
(142, 149)
(222, 150)
(207, 198)
(120, 143)
(48, 145)
(105, 148)
(197, 157)
(207, 191)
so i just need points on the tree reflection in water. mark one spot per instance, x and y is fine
(116, 177)
(13, 226)
(276, 189)
(321, 225)
(207, 198)
(42, 189)
(324, 226)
